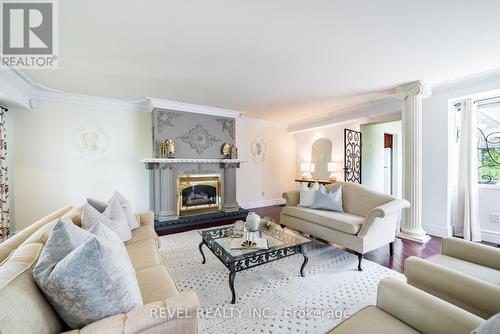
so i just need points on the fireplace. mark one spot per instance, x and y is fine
(198, 194)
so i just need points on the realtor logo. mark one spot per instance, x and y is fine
(28, 34)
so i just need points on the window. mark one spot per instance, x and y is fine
(488, 145)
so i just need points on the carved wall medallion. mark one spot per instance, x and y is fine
(91, 143)
(259, 149)
(165, 118)
(227, 124)
(199, 138)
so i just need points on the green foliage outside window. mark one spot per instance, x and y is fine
(490, 165)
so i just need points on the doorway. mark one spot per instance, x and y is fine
(382, 157)
(388, 163)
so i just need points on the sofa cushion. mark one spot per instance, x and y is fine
(358, 199)
(340, 221)
(156, 284)
(468, 268)
(372, 320)
(143, 254)
(144, 232)
(23, 307)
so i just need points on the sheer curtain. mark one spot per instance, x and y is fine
(4, 179)
(466, 206)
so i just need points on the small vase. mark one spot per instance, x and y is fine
(253, 221)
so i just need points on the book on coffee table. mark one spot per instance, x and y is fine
(253, 243)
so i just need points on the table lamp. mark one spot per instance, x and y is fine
(333, 168)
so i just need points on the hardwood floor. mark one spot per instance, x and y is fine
(402, 248)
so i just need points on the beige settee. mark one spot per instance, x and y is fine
(24, 309)
(368, 222)
(466, 274)
(402, 309)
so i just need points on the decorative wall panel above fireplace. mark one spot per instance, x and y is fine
(195, 135)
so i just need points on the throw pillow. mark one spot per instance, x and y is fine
(113, 217)
(325, 200)
(127, 208)
(63, 239)
(98, 205)
(91, 282)
(306, 196)
(490, 326)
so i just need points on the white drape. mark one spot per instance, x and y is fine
(466, 206)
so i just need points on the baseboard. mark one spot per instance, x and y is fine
(491, 236)
(263, 203)
(437, 231)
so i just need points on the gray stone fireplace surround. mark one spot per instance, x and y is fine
(198, 139)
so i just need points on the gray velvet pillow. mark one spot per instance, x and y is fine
(84, 277)
(325, 200)
(490, 326)
(98, 205)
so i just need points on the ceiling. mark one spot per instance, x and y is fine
(281, 60)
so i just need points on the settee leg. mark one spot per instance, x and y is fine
(391, 248)
(360, 257)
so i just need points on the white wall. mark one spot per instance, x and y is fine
(305, 140)
(373, 155)
(48, 171)
(489, 203)
(435, 151)
(262, 183)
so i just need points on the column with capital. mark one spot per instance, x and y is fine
(412, 96)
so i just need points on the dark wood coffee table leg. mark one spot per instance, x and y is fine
(232, 274)
(304, 263)
(201, 251)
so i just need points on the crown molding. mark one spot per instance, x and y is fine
(367, 110)
(475, 80)
(260, 122)
(157, 103)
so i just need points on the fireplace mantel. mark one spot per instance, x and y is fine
(163, 182)
(192, 161)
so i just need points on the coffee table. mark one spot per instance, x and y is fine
(282, 242)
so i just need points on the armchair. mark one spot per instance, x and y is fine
(466, 274)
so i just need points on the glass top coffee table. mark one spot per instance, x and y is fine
(281, 242)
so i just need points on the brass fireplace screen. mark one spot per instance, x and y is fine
(198, 194)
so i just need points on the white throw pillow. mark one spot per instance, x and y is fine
(331, 201)
(307, 194)
(84, 277)
(127, 208)
(113, 217)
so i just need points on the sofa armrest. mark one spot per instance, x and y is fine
(422, 311)
(177, 314)
(480, 298)
(471, 252)
(146, 218)
(292, 197)
(393, 207)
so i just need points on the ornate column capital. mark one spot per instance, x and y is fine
(414, 89)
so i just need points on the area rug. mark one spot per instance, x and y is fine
(274, 298)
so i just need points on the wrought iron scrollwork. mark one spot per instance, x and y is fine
(352, 151)
(486, 145)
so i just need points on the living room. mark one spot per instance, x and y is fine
(306, 167)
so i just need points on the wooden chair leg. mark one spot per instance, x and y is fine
(391, 248)
(360, 257)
